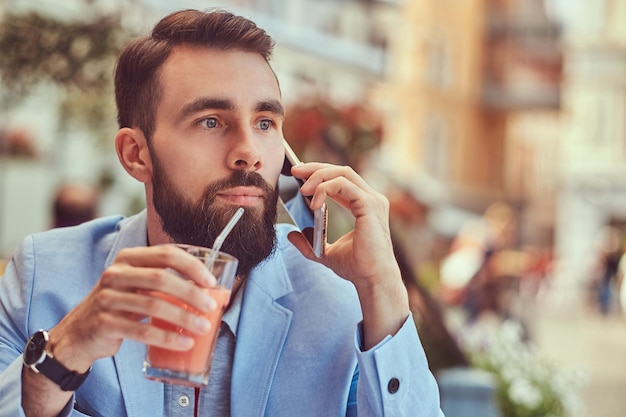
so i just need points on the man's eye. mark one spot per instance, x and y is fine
(210, 122)
(265, 124)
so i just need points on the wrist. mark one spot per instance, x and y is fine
(39, 359)
(385, 308)
(381, 286)
(68, 353)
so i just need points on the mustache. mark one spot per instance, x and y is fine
(238, 179)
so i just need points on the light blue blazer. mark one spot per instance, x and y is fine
(297, 341)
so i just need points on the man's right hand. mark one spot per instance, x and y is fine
(124, 297)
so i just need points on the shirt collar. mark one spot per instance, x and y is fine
(231, 316)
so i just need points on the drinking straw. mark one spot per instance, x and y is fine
(222, 237)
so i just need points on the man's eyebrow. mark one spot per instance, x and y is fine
(272, 106)
(204, 103)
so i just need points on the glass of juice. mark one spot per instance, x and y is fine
(192, 367)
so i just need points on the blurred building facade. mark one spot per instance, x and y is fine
(520, 101)
(477, 84)
(592, 147)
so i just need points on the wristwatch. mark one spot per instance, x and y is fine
(41, 361)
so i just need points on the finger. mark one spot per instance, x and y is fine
(119, 327)
(317, 173)
(346, 194)
(168, 256)
(154, 305)
(126, 278)
(300, 242)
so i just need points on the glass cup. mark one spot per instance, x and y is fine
(192, 367)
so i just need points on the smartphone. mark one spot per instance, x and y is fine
(312, 223)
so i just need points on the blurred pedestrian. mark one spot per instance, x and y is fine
(610, 255)
(74, 204)
(620, 281)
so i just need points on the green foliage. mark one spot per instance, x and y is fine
(75, 56)
(71, 54)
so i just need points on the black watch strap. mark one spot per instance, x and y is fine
(60, 375)
(37, 357)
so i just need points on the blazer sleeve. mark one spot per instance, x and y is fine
(394, 378)
(15, 292)
(15, 295)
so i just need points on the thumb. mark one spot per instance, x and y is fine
(298, 240)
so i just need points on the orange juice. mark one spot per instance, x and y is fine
(198, 359)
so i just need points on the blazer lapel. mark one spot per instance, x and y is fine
(142, 397)
(262, 330)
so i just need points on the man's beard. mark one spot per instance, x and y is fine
(199, 223)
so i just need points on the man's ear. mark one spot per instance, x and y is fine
(133, 153)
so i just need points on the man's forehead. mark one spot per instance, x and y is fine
(217, 60)
(233, 77)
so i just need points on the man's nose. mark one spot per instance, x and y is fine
(245, 153)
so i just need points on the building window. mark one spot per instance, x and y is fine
(436, 147)
(438, 71)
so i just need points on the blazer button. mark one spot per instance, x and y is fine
(393, 386)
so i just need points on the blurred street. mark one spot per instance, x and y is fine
(584, 340)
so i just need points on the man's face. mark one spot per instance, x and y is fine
(217, 146)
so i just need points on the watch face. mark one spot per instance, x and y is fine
(35, 348)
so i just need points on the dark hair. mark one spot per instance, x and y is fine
(137, 88)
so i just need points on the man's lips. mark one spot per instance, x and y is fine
(243, 196)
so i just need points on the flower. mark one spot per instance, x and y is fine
(523, 391)
(346, 133)
(528, 383)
